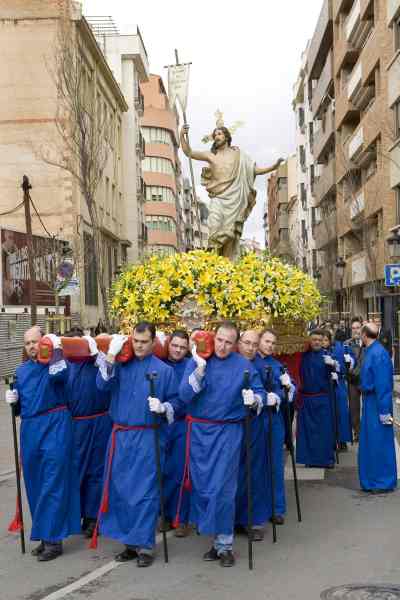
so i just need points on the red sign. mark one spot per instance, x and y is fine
(15, 269)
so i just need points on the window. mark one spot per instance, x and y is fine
(156, 193)
(312, 178)
(301, 117)
(107, 195)
(396, 111)
(113, 212)
(156, 135)
(158, 165)
(397, 192)
(302, 154)
(396, 30)
(284, 235)
(91, 292)
(160, 223)
(162, 250)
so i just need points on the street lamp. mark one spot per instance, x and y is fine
(393, 242)
(340, 267)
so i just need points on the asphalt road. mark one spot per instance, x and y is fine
(346, 537)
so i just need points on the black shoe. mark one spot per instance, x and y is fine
(90, 527)
(212, 554)
(377, 491)
(257, 535)
(38, 550)
(50, 552)
(342, 447)
(277, 519)
(125, 555)
(145, 560)
(240, 530)
(226, 558)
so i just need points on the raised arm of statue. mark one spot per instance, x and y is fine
(205, 156)
(266, 170)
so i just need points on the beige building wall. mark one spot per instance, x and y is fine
(28, 32)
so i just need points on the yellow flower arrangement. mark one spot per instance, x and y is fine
(254, 290)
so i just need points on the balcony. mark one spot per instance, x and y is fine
(325, 182)
(283, 220)
(340, 6)
(321, 41)
(325, 231)
(356, 144)
(324, 82)
(324, 135)
(356, 29)
(357, 206)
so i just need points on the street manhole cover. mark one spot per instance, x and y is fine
(362, 592)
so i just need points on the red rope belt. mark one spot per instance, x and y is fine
(105, 499)
(186, 485)
(86, 417)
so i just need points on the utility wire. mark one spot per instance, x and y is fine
(12, 210)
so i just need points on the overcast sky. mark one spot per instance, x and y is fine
(245, 62)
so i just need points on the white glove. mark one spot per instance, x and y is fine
(55, 340)
(334, 377)
(273, 399)
(11, 396)
(386, 419)
(285, 380)
(347, 358)
(248, 397)
(201, 363)
(337, 366)
(328, 360)
(92, 345)
(156, 406)
(117, 341)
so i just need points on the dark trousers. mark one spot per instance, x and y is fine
(355, 408)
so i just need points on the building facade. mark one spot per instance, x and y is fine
(127, 57)
(305, 211)
(28, 129)
(352, 80)
(194, 219)
(278, 213)
(161, 170)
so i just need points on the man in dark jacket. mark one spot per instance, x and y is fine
(354, 378)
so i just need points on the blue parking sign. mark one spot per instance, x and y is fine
(392, 275)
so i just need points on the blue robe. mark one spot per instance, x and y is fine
(376, 453)
(134, 499)
(47, 452)
(91, 435)
(342, 403)
(215, 448)
(175, 459)
(278, 434)
(315, 422)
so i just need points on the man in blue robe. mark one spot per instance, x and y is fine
(315, 419)
(178, 348)
(376, 454)
(274, 379)
(47, 449)
(248, 346)
(92, 428)
(340, 360)
(131, 502)
(217, 395)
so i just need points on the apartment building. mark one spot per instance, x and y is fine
(28, 36)
(278, 214)
(127, 57)
(194, 219)
(363, 48)
(161, 170)
(322, 180)
(303, 212)
(393, 22)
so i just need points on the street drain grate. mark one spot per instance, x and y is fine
(362, 592)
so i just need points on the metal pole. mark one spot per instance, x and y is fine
(26, 186)
(270, 446)
(191, 164)
(246, 385)
(151, 378)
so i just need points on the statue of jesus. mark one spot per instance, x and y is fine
(229, 181)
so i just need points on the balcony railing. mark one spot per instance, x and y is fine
(322, 36)
(325, 182)
(324, 81)
(323, 135)
(356, 144)
(357, 206)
